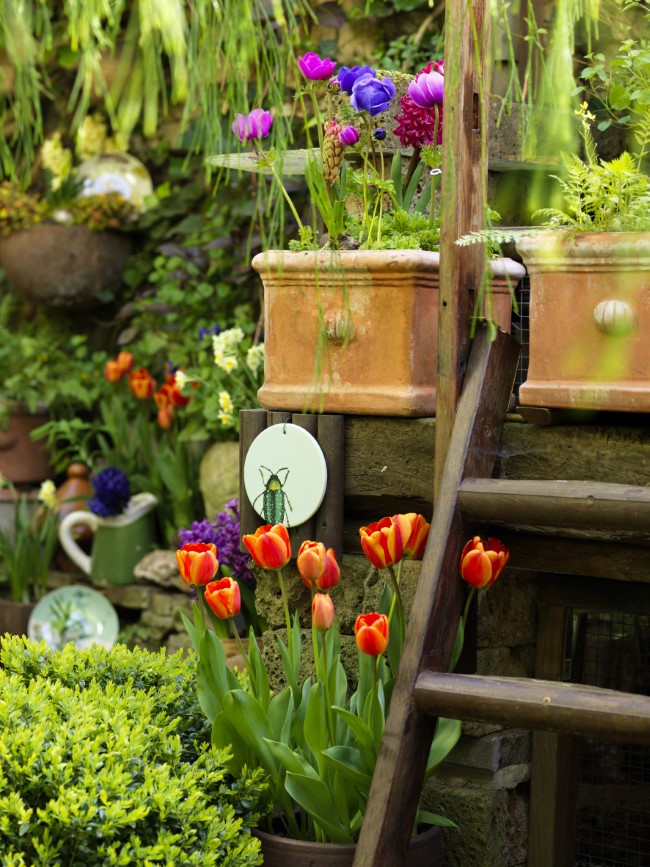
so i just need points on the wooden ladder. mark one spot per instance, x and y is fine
(424, 689)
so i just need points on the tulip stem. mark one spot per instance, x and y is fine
(397, 598)
(328, 705)
(240, 645)
(212, 617)
(287, 616)
(468, 602)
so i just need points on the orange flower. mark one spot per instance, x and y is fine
(165, 417)
(416, 540)
(332, 574)
(269, 546)
(322, 611)
(112, 371)
(141, 383)
(223, 597)
(311, 562)
(197, 562)
(371, 633)
(125, 361)
(482, 563)
(382, 541)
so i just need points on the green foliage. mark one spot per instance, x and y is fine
(104, 760)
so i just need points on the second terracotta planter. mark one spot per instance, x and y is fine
(356, 331)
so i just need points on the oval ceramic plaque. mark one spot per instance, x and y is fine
(285, 475)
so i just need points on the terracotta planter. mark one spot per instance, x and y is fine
(65, 266)
(23, 461)
(14, 616)
(356, 331)
(425, 850)
(589, 321)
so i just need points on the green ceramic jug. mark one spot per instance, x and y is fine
(119, 542)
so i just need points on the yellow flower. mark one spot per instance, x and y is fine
(91, 138)
(47, 493)
(56, 159)
(180, 378)
(255, 357)
(225, 403)
(226, 419)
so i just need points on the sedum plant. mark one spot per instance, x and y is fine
(104, 760)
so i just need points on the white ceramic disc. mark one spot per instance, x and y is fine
(76, 613)
(285, 475)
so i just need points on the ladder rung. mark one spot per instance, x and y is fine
(571, 505)
(536, 704)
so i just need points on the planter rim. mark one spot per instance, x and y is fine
(297, 260)
(421, 840)
(568, 243)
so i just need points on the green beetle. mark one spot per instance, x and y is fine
(274, 496)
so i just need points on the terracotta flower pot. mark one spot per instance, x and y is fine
(356, 331)
(14, 616)
(425, 850)
(22, 460)
(589, 321)
(64, 266)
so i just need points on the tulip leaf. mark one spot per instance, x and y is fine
(280, 712)
(316, 799)
(259, 676)
(428, 818)
(251, 722)
(316, 734)
(396, 177)
(292, 761)
(225, 736)
(363, 735)
(373, 713)
(459, 641)
(298, 721)
(412, 187)
(425, 198)
(191, 629)
(347, 761)
(444, 740)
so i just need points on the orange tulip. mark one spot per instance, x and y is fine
(125, 361)
(322, 611)
(482, 563)
(371, 633)
(223, 597)
(112, 371)
(141, 383)
(416, 540)
(311, 562)
(382, 541)
(269, 546)
(165, 417)
(197, 562)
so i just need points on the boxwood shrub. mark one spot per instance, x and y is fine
(105, 759)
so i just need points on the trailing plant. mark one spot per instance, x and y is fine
(82, 783)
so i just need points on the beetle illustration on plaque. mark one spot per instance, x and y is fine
(274, 495)
(293, 472)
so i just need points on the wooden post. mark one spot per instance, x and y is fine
(464, 180)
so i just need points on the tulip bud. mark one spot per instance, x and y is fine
(371, 633)
(141, 383)
(197, 562)
(311, 562)
(331, 574)
(223, 597)
(112, 371)
(322, 612)
(269, 546)
(482, 563)
(415, 539)
(125, 361)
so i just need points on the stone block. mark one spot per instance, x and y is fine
(135, 596)
(183, 605)
(494, 751)
(167, 604)
(219, 476)
(157, 626)
(177, 641)
(492, 823)
(506, 661)
(159, 567)
(507, 612)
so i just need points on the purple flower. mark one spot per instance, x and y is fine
(316, 68)
(349, 135)
(427, 89)
(112, 493)
(346, 76)
(208, 332)
(372, 95)
(379, 134)
(252, 126)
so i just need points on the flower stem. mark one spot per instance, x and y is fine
(287, 197)
(397, 598)
(324, 681)
(242, 650)
(287, 616)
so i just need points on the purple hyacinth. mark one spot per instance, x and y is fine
(347, 76)
(224, 532)
(112, 493)
(427, 89)
(349, 135)
(254, 125)
(316, 68)
(372, 95)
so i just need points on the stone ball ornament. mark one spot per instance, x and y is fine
(116, 173)
(285, 475)
(614, 317)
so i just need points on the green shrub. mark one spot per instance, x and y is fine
(105, 759)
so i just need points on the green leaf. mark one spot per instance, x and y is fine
(280, 713)
(316, 799)
(444, 740)
(347, 761)
(427, 818)
(396, 175)
(249, 719)
(292, 761)
(457, 649)
(315, 728)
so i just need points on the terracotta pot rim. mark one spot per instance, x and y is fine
(553, 244)
(421, 840)
(295, 260)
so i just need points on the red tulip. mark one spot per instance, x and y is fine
(371, 633)
(142, 383)
(112, 371)
(125, 361)
(269, 546)
(416, 540)
(382, 541)
(332, 574)
(197, 562)
(482, 563)
(322, 611)
(223, 597)
(311, 562)
(165, 417)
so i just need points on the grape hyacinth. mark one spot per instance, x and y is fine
(112, 493)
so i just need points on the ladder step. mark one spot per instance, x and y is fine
(588, 507)
(536, 704)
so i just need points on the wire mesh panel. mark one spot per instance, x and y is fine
(611, 650)
(521, 331)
